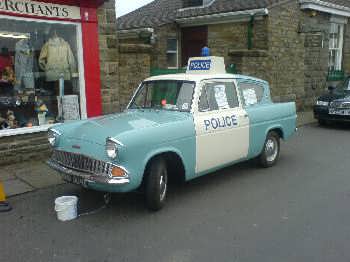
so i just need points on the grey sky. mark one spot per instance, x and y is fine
(126, 6)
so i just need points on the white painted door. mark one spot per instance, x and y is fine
(222, 126)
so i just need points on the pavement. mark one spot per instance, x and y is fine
(296, 211)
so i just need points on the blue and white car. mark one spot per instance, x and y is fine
(176, 127)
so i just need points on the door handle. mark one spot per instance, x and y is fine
(245, 115)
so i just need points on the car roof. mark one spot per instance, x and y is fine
(200, 77)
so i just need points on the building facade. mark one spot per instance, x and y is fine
(299, 46)
(58, 63)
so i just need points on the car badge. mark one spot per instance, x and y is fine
(76, 146)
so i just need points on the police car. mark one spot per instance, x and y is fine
(176, 127)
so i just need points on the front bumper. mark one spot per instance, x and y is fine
(322, 113)
(87, 180)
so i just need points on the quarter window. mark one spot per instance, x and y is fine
(251, 93)
(217, 96)
(336, 46)
(172, 60)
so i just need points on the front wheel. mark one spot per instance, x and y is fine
(156, 184)
(271, 151)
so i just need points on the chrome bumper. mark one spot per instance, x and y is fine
(87, 178)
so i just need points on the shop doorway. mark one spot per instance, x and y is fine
(193, 40)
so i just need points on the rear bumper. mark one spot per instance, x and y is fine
(97, 182)
(322, 113)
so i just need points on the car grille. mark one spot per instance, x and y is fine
(342, 105)
(82, 163)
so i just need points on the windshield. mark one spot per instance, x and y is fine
(164, 94)
(344, 86)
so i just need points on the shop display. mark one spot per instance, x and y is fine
(6, 64)
(37, 60)
(57, 59)
(24, 65)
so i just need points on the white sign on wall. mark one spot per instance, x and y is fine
(34, 8)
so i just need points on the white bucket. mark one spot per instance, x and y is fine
(66, 208)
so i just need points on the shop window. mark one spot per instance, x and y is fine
(39, 73)
(218, 96)
(172, 58)
(336, 47)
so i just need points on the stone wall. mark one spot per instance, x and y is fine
(162, 34)
(134, 66)
(346, 58)
(315, 29)
(108, 57)
(223, 38)
(286, 53)
(15, 149)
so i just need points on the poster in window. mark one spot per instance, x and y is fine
(250, 97)
(70, 107)
(220, 97)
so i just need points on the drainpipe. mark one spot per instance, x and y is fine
(250, 32)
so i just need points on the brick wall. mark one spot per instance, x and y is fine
(159, 58)
(108, 57)
(286, 53)
(316, 32)
(346, 58)
(134, 66)
(15, 149)
(222, 38)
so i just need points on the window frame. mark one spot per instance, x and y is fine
(240, 91)
(172, 52)
(80, 64)
(338, 66)
(218, 80)
(142, 84)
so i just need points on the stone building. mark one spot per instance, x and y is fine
(86, 30)
(299, 46)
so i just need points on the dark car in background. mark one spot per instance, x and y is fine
(334, 106)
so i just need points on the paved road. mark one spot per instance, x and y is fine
(296, 211)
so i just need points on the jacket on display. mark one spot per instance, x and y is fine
(24, 65)
(57, 59)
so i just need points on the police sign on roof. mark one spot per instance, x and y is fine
(206, 65)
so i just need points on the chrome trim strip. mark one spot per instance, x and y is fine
(115, 141)
(87, 177)
(85, 164)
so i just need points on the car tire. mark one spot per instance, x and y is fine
(156, 184)
(271, 150)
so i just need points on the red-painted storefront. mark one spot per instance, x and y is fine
(48, 49)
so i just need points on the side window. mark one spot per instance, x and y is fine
(251, 93)
(218, 95)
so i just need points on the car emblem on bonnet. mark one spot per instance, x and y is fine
(76, 146)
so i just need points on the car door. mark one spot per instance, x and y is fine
(222, 126)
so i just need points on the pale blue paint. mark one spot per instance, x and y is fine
(145, 133)
(267, 116)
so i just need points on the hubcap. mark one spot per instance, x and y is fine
(163, 187)
(271, 149)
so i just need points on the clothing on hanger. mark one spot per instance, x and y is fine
(57, 59)
(24, 65)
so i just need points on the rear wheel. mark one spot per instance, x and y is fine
(156, 184)
(271, 151)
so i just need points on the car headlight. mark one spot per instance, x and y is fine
(322, 103)
(111, 148)
(53, 136)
